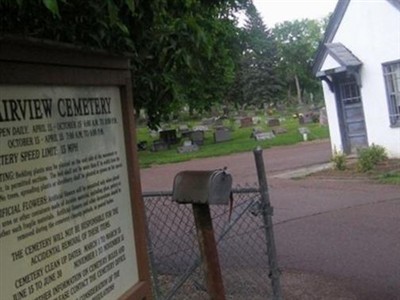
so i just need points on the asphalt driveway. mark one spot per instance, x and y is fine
(343, 230)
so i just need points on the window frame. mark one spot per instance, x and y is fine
(394, 113)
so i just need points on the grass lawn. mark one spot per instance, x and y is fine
(241, 142)
(390, 178)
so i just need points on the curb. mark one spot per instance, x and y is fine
(301, 172)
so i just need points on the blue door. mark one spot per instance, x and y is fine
(354, 134)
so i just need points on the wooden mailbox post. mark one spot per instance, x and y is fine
(201, 189)
(71, 214)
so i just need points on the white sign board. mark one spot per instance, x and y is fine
(66, 227)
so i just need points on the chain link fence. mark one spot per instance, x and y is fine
(241, 242)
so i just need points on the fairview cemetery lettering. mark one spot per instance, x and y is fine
(33, 109)
(65, 229)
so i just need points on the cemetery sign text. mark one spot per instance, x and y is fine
(70, 225)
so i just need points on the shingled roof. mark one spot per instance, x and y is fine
(342, 55)
(331, 30)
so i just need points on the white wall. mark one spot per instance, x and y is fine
(331, 108)
(371, 30)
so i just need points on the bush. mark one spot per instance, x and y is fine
(339, 160)
(369, 157)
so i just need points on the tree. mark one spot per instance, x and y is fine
(190, 51)
(181, 49)
(297, 42)
(256, 81)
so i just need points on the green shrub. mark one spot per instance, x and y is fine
(369, 157)
(339, 160)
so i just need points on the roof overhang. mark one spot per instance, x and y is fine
(348, 63)
(333, 25)
(328, 75)
(330, 32)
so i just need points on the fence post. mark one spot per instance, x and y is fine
(267, 211)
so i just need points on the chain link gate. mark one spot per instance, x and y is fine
(245, 242)
(241, 242)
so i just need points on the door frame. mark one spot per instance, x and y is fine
(338, 79)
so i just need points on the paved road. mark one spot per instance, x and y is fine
(348, 230)
(242, 166)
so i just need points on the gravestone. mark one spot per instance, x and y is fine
(323, 117)
(169, 136)
(304, 130)
(255, 131)
(159, 145)
(279, 130)
(246, 122)
(197, 137)
(187, 143)
(222, 135)
(261, 136)
(188, 148)
(273, 122)
(306, 118)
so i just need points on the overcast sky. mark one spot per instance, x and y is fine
(276, 11)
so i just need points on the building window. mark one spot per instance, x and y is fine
(391, 72)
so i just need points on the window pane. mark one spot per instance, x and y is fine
(392, 81)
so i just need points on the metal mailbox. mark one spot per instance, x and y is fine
(202, 187)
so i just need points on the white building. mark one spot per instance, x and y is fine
(359, 64)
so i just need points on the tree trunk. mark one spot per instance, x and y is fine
(289, 94)
(296, 80)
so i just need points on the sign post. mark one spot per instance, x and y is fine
(71, 213)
